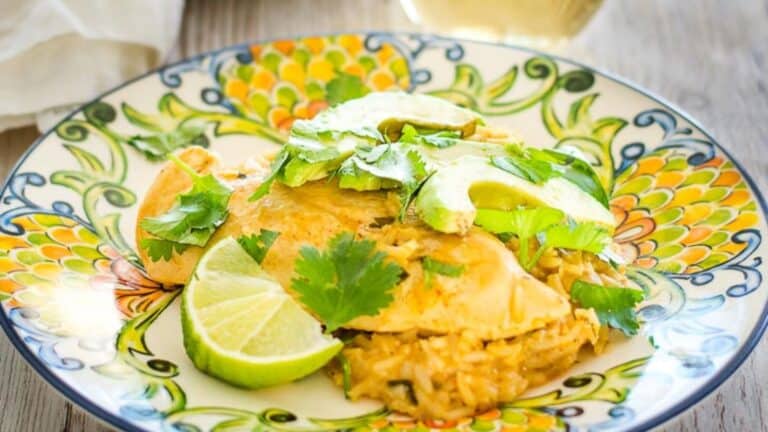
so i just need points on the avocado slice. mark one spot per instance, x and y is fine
(443, 156)
(311, 159)
(385, 166)
(318, 146)
(448, 200)
(366, 170)
(384, 113)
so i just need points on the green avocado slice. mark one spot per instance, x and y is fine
(318, 146)
(449, 199)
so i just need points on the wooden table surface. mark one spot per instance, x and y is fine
(709, 57)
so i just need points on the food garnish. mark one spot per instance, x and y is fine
(385, 166)
(316, 148)
(193, 219)
(525, 223)
(532, 170)
(347, 280)
(440, 139)
(449, 200)
(241, 326)
(586, 236)
(540, 165)
(277, 164)
(257, 245)
(546, 224)
(614, 306)
(157, 146)
(159, 249)
(575, 170)
(346, 371)
(168, 134)
(432, 267)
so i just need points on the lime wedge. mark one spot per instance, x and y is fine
(240, 325)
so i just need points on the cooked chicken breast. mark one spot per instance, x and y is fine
(493, 298)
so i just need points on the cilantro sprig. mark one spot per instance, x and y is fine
(409, 188)
(192, 220)
(614, 306)
(432, 267)
(160, 144)
(586, 236)
(538, 166)
(347, 280)
(575, 170)
(275, 167)
(548, 226)
(346, 373)
(440, 139)
(159, 249)
(257, 245)
(385, 166)
(524, 223)
(526, 168)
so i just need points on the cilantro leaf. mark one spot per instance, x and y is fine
(345, 87)
(575, 170)
(277, 164)
(158, 249)
(440, 139)
(257, 245)
(614, 306)
(373, 154)
(586, 236)
(538, 166)
(525, 223)
(196, 214)
(316, 155)
(385, 166)
(346, 373)
(409, 134)
(311, 153)
(156, 147)
(432, 267)
(522, 222)
(545, 222)
(532, 170)
(385, 161)
(408, 190)
(373, 168)
(347, 280)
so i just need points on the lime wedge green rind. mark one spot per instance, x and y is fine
(239, 325)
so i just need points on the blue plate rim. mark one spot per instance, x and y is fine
(71, 394)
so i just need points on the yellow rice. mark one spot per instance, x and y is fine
(456, 375)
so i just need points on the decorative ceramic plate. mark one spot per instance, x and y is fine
(77, 305)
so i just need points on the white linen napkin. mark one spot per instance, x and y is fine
(56, 53)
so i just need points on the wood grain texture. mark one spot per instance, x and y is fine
(710, 57)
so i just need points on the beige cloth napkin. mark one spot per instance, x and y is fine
(56, 53)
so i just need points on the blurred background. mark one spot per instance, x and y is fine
(709, 57)
(696, 54)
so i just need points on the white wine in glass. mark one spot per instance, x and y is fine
(539, 23)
